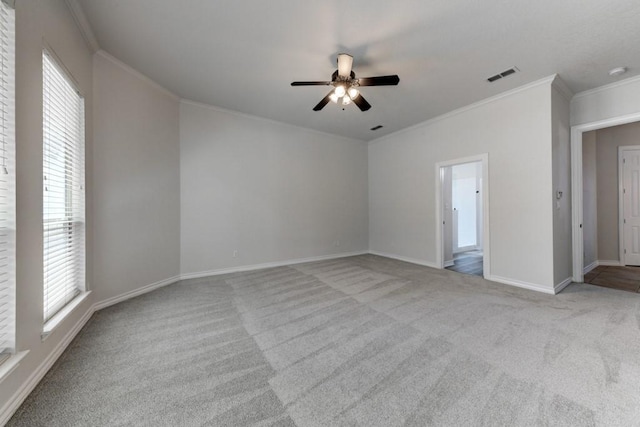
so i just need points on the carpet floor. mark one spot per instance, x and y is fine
(356, 341)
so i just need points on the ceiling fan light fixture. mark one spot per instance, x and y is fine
(346, 86)
(345, 62)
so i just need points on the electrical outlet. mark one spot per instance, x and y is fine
(235, 253)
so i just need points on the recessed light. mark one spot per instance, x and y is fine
(618, 71)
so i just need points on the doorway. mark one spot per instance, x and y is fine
(462, 215)
(580, 267)
(611, 207)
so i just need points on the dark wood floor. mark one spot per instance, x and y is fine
(623, 278)
(469, 262)
(614, 277)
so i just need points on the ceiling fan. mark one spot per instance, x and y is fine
(346, 85)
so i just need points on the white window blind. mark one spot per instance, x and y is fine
(7, 183)
(63, 208)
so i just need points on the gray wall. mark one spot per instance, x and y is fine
(515, 130)
(136, 180)
(560, 139)
(607, 142)
(272, 192)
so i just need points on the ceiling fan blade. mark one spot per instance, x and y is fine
(379, 81)
(323, 102)
(362, 103)
(311, 84)
(345, 62)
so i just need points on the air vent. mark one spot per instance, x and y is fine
(505, 73)
(376, 127)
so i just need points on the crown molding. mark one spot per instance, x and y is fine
(137, 74)
(625, 82)
(562, 87)
(83, 25)
(545, 81)
(266, 120)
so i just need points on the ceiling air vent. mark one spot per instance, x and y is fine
(505, 73)
(376, 127)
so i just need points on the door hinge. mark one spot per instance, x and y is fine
(624, 221)
(625, 251)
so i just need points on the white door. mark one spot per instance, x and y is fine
(631, 206)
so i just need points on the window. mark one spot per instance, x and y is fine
(63, 173)
(7, 183)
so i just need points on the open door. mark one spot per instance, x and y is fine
(462, 198)
(630, 238)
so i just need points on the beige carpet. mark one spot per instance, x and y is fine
(358, 341)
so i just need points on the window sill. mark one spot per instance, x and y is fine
(11, 363)
(56, 320)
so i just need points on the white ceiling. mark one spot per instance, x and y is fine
(242, 55)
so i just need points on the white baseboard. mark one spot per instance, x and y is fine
(560, 286)
(217, 272)
(466, 249)
(36, 376)
(405, 259)
(610, 262)
(134, 293)
(7, 411)
(521, 284)
(590, 267)
(27, 387)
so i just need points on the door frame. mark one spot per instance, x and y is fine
(621, 150)
(577, 235)
(486, 235)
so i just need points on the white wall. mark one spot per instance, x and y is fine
(270, 191)
(39, 24)
(561, 208)
(448, 232)
(614, 100)
(515, 130)
(590, 198)
(136, 172)
(464, 188)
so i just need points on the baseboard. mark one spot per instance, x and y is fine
(131, 294)
(7, 411)
(405, 259)
(27, 387)
(560, 286)
(217, 272)
(610, 262)
(521, 284)
(466, 249)
(590, 267)
(448, 263)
